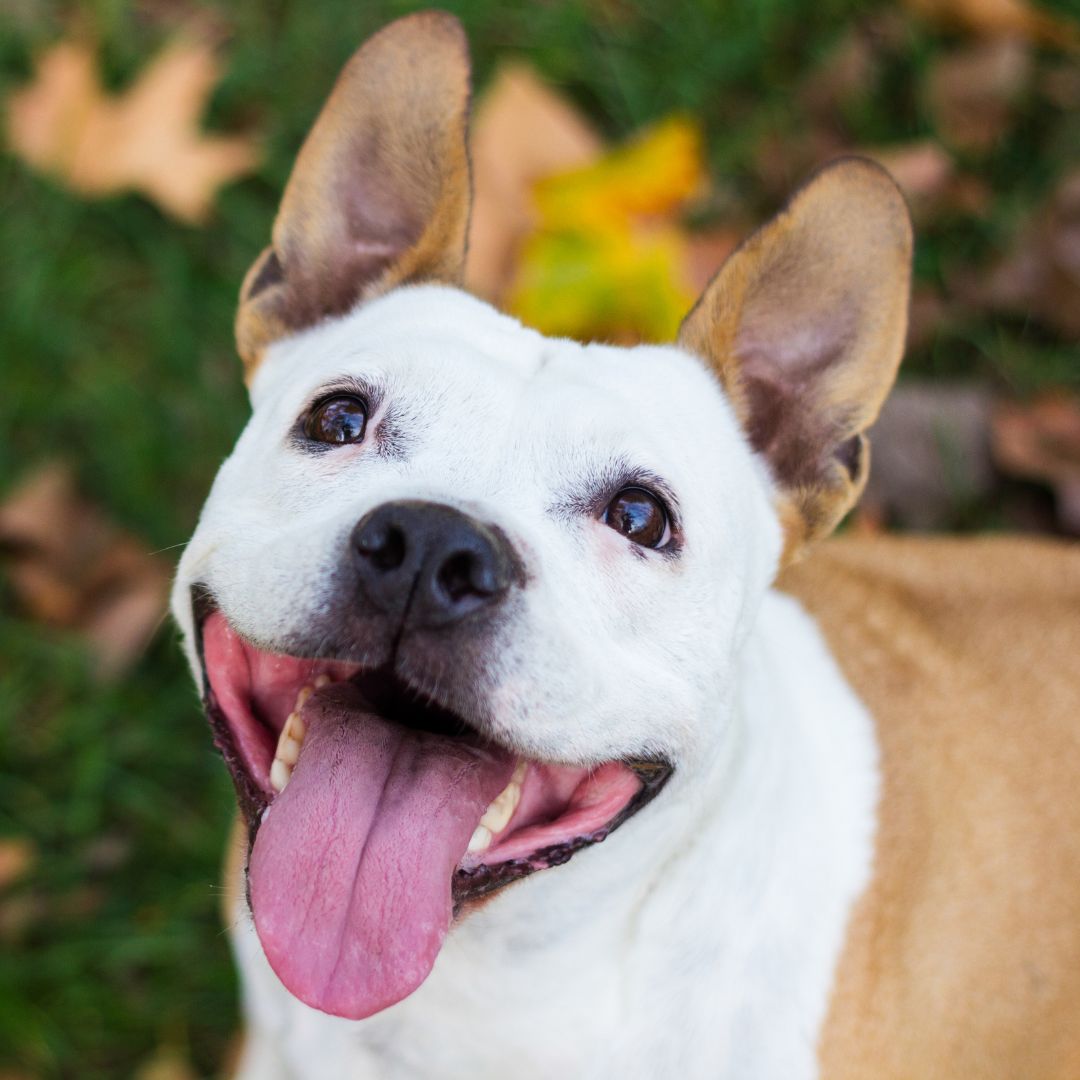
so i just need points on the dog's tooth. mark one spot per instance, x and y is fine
(280, 774)
(497, 816)
(481, 839)
(294, 727)
(287, 753)
(321, 681)
(301, 698)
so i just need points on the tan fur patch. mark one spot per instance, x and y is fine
(963, 959)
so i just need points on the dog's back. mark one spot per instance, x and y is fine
(964, 956)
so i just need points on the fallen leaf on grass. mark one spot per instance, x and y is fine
(16, 857)
(146, 139)
(166, 1063)
(1041, 442)
(852, 67)
(523, 132)
(923, 169)
(70, 567)
(973, 93)
(1040, 277)
(1000, 18)
(609, 258)
(928, 177)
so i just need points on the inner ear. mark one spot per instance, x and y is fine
(805, 326)
(380, 192)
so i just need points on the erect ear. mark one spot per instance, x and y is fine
(379, 195)
(804, 325)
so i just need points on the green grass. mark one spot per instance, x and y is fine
(116, 352)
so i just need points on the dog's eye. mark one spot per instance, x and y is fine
(639, 516)
(340, 419)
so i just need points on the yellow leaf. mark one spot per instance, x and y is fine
(606, 261)
(523, 131)
(146, 139)
(616, 284)
(651, 175)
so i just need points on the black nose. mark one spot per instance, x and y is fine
(430, 564)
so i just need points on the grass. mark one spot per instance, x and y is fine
(115, 352)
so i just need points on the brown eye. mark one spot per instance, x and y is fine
(639, 516)
(338, 419)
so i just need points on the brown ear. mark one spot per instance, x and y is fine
(379, 195)
(805, 325)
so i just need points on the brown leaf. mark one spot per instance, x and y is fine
(146, 139)
(922, 169)
(16, 857)
(1041, 442)
(1000, 18)
(71, 567)
(706, 252)
(524, 131)
(851, 68)
(927, 175)
(972, 94)
(927, 316)
(1040, 277)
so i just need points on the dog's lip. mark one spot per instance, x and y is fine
(474, 880)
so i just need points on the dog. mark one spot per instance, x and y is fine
(564, 744)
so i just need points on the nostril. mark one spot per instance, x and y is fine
(384, 548)
(456, 576)
(464, 574)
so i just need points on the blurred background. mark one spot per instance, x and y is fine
(622, 148)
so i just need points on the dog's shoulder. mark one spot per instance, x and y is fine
(896, 606)
(965, 653)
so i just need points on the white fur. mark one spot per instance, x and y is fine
(701, 939)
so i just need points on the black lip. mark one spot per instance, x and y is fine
(468, 885)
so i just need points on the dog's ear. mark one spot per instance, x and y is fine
(804, 325)
(379, 195)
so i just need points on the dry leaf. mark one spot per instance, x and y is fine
(705, 254)
(523, 132)
(927, 175)
(1041, 442)
(1041, 276)
(166, 1063)
(70, 567)
(16, 857)
(146, 139)
(928, 314)
(922, 169)
(851, 68)
(608, 261)
(972, 94)
(650, 176)
(1001, 18)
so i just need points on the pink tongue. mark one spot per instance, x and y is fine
(350, 873)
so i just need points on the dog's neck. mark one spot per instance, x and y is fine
(749, 872)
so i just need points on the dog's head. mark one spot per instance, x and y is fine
(464, 598)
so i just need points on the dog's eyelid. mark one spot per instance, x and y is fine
(593, 495)
(370, 394)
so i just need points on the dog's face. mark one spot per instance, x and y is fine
(464, 598)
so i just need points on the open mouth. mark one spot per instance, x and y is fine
(378, 816)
